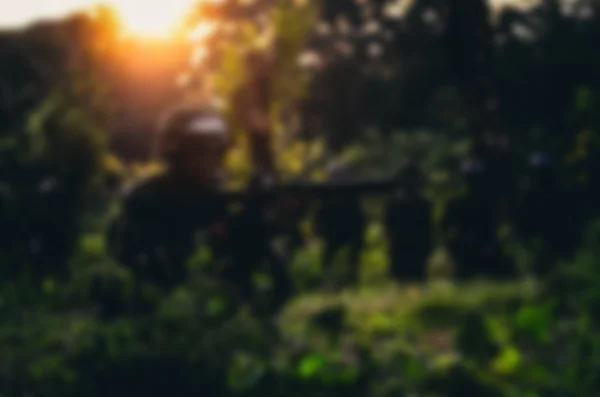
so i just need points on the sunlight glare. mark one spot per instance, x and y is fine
(157, 19)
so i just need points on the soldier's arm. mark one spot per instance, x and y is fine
(221, 233)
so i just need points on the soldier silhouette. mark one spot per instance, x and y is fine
(251, 234)
(471, 224)
(548, 214)
(291, 211)
(341, 223)
(166, 217)
(408, 226)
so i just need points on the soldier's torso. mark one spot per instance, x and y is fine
(290, 211)
(474, 220)
(253, 228)
(167, 222)
(409, 219)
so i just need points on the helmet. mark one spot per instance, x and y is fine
(201, 129)
(543, 172)
(49, 185)
(474, 173)
(540, 160)
(194, 141)
(472, 167)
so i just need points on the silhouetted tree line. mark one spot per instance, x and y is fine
(378, 65)
(140, 82)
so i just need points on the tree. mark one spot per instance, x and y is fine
(54, 148)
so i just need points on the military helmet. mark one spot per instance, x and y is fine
(540, 160)
(472, 167)
(473, 171)
(198, 128)
(542, 169)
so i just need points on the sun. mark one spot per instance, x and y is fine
(154, 19)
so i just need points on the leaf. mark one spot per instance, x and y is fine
(216, 306)
(310, 366)
(92, 244)
(49, 285)
(474, 339)
(200, 259)
(539, 373)
(245, 371)
(8, 143)
(536, 320)
(583, 99)
(508, 362)
(446, 361)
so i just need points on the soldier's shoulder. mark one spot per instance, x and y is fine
(140, 190)
(142, 186)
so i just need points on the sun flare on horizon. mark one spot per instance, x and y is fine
(151, 19)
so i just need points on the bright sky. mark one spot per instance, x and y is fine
(149, 17)
(156, 17)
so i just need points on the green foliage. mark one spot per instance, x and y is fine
(279, 31)
(503, 340)
(92, 332)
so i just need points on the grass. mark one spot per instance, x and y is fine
(415, 317)
(383, 314)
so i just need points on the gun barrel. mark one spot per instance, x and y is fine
(307, 190)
